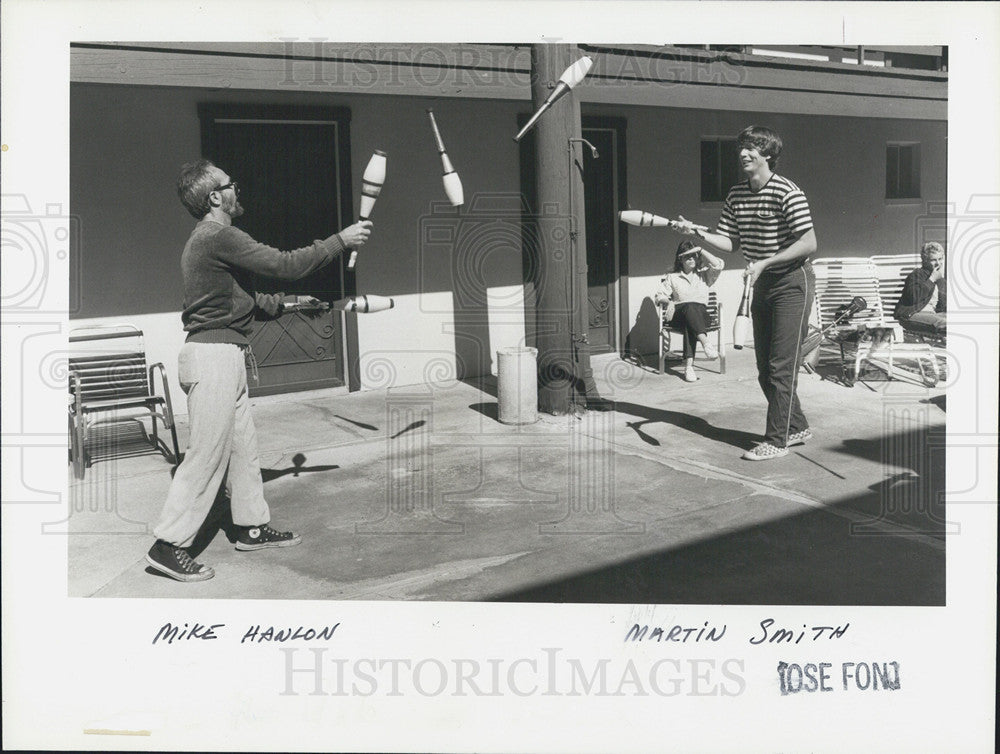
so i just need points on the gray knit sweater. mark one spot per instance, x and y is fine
(218, 265)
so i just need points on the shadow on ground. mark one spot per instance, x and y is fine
(220, 516)
(857, 551)
(807, 559)
(726, 435)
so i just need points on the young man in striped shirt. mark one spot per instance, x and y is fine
(767, 218)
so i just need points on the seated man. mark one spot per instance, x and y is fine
(921, 307)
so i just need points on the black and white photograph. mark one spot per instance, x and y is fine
(536, 383)
(517, 381)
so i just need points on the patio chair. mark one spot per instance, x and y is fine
(872, 335)
(112, 388)
(714, 326)
(890, 272)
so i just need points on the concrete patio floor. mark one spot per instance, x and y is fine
(419, 493)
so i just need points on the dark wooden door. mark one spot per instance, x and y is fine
(291, 172)
(600, 192)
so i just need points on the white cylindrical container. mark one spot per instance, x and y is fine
(517, 385)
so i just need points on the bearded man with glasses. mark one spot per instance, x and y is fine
(218, 263)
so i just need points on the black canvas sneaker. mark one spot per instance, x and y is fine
(176, 563)
(259, 537)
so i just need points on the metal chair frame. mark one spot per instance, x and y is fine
(873, 333)
(111, 383)
(714, 326)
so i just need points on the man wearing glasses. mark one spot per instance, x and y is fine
(218, 264)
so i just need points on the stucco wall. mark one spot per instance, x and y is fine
(127, 143)
(838, 162)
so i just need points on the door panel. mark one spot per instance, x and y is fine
(290, 180)
(600, 186)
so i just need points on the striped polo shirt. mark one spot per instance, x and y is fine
(765, 221)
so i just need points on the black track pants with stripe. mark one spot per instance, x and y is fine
(780, 312)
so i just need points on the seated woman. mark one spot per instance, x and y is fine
(923, 304)
(684, 292)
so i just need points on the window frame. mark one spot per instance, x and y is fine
(913, 179)
(723, 183)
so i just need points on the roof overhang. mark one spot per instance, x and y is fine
(665, 76)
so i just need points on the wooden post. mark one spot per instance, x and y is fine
(561, 328)
(586, 394)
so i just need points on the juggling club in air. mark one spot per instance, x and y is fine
(570, 78)
(452, 183)
(371, 186)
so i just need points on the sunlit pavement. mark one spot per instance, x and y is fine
(420, 493)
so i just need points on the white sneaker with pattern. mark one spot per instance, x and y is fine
(764, 451)
(799, 438)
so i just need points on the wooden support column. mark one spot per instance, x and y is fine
(560, 242)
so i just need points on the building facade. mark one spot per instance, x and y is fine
(295, 123)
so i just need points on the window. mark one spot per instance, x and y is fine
(720, 168)
(902, 171)
(920, 62)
